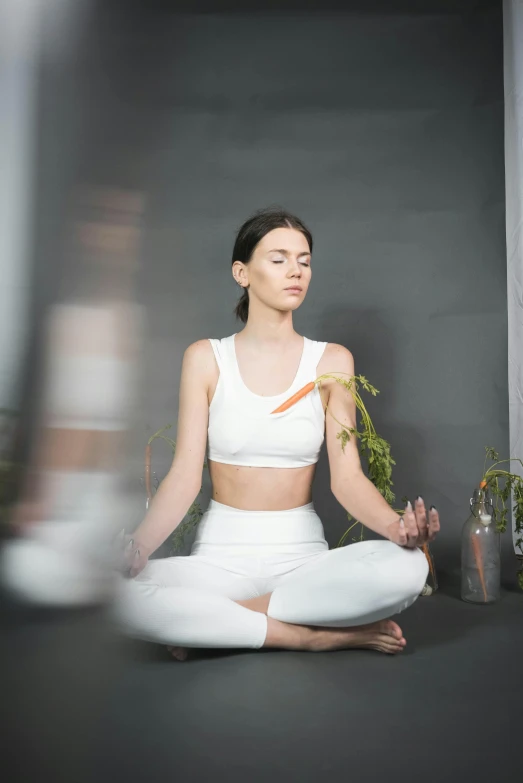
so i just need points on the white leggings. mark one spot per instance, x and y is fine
(237, 555)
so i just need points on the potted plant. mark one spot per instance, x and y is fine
(510, 482)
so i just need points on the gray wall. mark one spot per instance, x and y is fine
(383, 130)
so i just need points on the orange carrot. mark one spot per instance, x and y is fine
(295, 397)
(482, 484)
(148, 472)
(425, 548)
(476, 546)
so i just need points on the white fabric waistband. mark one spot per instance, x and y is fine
(227, 528)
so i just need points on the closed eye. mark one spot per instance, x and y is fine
(281, 260)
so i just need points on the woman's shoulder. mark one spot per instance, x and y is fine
(205, 356)
(336, 358)
(334, 351)
(199, 364)
(198, 350)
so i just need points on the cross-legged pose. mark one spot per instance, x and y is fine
(260, 573)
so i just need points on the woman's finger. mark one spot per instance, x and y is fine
(119, 539)
(434, 523)
(411, 526)
(125, 549)
(421, 519)
(128, 553)
(134, 568)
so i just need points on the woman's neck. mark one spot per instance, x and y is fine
(268, 327)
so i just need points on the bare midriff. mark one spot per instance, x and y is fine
(261, 489)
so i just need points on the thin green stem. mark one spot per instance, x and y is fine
(342, 539)
(368, 425)
(510, 459)
(157, 434)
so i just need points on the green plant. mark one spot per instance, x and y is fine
(373, 449)
(511, 483)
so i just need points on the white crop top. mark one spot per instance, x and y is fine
(242, 430)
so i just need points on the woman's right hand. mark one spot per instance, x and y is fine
(131, 555)
(418, 528)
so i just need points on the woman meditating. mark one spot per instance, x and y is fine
(260, 573)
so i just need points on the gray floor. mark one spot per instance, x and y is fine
(85, 705)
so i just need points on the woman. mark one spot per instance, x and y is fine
(260, 573)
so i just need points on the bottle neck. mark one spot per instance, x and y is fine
(481, 506)
(480, 501)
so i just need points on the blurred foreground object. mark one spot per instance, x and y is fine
(67, 513)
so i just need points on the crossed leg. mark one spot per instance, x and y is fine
(383, 635)
(190, 601)
(342, 598)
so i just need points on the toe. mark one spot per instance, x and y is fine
(393, 629)
(392, 645)
(384, 647)
(398, 633)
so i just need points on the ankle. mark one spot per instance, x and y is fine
(288, 636)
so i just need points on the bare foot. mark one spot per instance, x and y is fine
(180, 653)
(384, 636)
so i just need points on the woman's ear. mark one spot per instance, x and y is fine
(238, 272)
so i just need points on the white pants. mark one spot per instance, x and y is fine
(236, 555)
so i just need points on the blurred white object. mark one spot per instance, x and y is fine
(64, 556)
(64, 561)
(18, 79)
(69, 511)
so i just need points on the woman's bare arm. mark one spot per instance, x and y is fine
(351, 487)
(182, 484)
(349, 484)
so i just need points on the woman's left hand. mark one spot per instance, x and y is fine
(131, 556)
(418, 528)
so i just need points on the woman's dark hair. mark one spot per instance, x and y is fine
(252, 232)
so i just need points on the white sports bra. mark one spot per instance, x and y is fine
(242, 430)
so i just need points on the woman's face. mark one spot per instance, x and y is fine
(279, 271)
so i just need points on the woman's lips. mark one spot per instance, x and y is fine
(294, 290)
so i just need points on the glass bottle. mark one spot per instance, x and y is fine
(480, 552)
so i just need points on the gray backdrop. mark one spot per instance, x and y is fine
(383, 131)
